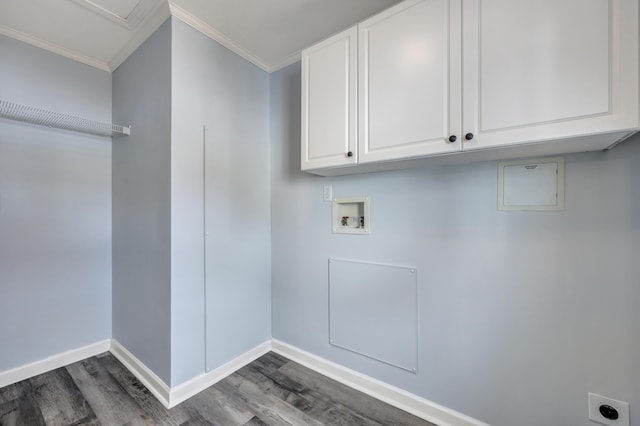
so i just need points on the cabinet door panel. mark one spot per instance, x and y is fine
(329, 103)
(544, 70)
(407, 75)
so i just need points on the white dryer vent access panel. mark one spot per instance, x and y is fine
(373, 311)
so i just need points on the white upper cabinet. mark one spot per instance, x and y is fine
(329, 103)
(409, 81)
(499, 78)
(548, 69)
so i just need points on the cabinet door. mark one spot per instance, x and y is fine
(548, 69)
(409, 78)
(329, 131)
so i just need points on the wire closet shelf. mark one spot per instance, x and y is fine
(43, 117)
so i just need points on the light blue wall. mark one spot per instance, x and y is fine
(141, 204)
(214, 87)
(187, 207)
(522, 313)
(177, 82)
(55, 210)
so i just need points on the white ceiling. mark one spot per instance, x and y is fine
(103, 33)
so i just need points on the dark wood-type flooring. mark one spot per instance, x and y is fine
(270, 391)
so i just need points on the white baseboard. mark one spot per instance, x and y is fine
(172, 396)
(15, 375)
(169, 397)
(148, 378)
(186, 390)
(392, 395)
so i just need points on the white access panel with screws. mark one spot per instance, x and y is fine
(531, 185)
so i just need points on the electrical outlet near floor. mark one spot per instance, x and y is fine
(608, 411)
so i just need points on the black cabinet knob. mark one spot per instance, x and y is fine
(349, 154)
(468, 136)
(452, 138)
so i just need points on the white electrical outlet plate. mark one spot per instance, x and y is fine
(327, 195)
(595, 401)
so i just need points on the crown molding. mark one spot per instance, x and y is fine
(212, 33)
(53, 48)
(291, 59)
(157, 16)
(137, 15)
(216, 35)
